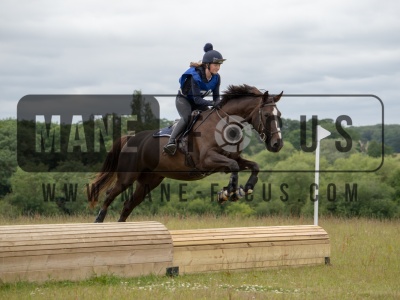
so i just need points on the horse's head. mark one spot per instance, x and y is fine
(256, 108)
(267, 122)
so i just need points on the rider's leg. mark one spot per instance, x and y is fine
(184, 109)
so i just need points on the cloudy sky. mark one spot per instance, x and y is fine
(300, 47)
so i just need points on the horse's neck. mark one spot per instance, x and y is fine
(241, 107)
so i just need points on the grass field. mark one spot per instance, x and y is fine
(365, 257)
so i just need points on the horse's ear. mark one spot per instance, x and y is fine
(265, 96)
(278, 97)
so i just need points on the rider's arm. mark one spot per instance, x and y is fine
(197, 99)
(216, 91)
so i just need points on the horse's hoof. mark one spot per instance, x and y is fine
(241, 192)
(233, 197)
(222, 196)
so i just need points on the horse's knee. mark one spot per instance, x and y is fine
(234, 167)
(255, 168)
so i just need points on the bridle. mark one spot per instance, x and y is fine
(262, 130)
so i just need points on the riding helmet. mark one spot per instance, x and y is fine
(212, 56)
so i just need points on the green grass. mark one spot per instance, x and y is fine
(365, 257)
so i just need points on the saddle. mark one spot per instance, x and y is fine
(182, 139)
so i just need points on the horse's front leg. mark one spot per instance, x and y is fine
(217, 161)
(245, 164)
(233, 187)
(231, 192)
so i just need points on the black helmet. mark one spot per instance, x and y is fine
(212, 56)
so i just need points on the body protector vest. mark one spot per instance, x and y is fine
(205, 87)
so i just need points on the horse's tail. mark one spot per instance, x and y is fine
(107, 174)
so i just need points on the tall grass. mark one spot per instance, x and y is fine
(365, 257)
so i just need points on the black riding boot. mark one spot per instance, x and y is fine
(184, 108)
(170, 147)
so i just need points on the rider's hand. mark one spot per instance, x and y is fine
(216, 104)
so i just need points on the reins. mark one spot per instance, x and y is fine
(261, 129)
(212, 110)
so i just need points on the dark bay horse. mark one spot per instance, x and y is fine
(216, 142)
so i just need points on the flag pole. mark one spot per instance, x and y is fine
(321, 134)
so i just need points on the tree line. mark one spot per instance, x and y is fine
(363, 181)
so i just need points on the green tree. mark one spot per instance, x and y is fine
(8, 154)
(141, 108)
(374, 149)
(28, 195)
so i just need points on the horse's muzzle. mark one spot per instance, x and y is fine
(274, 145)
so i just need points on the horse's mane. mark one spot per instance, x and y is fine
(239, 91)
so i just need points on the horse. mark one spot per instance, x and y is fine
(215, 145)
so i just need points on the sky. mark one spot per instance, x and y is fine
(300, 47)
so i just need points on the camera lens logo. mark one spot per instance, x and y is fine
(233, 134)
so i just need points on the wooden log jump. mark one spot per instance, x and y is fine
(243, 248)
(80, 251)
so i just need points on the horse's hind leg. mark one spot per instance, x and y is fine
(117, 189)
(144, 185)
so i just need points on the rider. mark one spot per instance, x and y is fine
(200, 80)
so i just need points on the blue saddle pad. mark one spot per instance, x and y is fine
(164, 132)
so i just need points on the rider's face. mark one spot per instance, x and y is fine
(214, 68)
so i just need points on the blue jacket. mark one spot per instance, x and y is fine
(194, 86)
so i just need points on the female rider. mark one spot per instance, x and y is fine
(200, 80)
